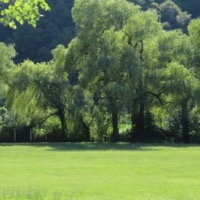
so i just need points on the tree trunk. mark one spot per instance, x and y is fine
(132, 127)
(15, 135)
(138, 123)
(185, 122)
(133, 116)
(61, 114)
(115, 126)
(31, 136)
(86, 131)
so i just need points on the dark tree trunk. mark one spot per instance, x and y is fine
(61, 114)
(139, 126)
(132, 138)
(86, 131)
(115, 133)
(138, 123)
(185, 122)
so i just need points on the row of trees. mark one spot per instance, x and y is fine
(123, 77)
(189, 6)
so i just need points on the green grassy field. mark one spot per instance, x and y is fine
(99, 172)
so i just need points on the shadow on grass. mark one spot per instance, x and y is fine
(87, 146)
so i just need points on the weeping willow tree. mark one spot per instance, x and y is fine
(179, 82)
(96, 53)
(52, 84)
(182, 94)
(39, 91)
(113, 40)
(22, 100)
(140, 62)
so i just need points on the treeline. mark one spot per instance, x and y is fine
(189, 6)
(124, 77)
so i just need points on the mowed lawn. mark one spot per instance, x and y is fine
(88, 171)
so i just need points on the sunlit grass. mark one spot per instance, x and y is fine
(99, 172)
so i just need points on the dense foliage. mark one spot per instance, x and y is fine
(13, 12)
(130, 73)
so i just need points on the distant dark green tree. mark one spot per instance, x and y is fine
(191, 7)
(172, 16)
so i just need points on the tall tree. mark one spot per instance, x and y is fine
(114, 54)
(172, 16)
(22, 100)
(184, 87)
(94, 52)
(140, 35)
(39, 91)
(52, 85)
(179, 81)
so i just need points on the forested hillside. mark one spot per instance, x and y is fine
(57, 27)
(109, 70)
